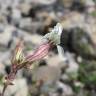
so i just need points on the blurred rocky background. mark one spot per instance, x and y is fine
(29, 20)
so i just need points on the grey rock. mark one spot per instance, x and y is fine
(19, 88)
(67, 90)
(79, 42)
(48, 74)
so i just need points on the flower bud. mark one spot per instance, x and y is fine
(18, 55)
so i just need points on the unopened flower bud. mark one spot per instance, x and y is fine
(18, 54)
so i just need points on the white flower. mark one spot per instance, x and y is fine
(55, 34)
(54, 37)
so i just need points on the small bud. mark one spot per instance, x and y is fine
(18, 54)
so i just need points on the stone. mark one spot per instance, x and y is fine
(72, 69)
(6, 35)
(48, 74)
(18, 89)
(42, 2)
(66, 89)
(81, 42)
(90, 5)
